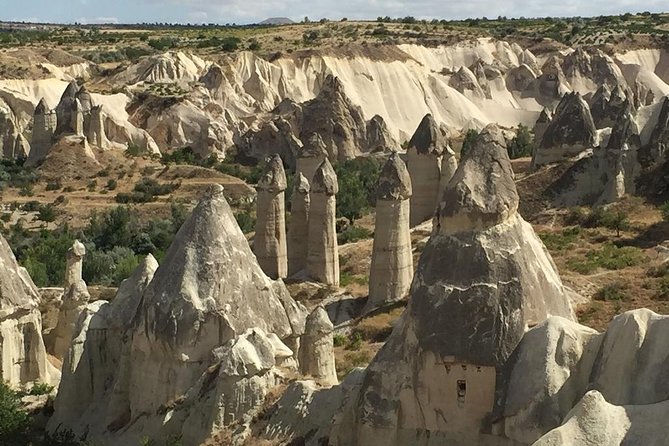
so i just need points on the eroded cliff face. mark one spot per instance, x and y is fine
(466, 85)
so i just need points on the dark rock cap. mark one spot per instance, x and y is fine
(325, 180)
(274, 177)
(301, 185)
(42, 108)
(571, 125)
(428, 138)
(482, 192)
(394, 180)
(313, 147)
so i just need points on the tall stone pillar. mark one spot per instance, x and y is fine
(449, 164)
(96, 128)
(392, 261)
(298, 232)
(75, 298)
(323, 253)
(317, 348)
(44, 126)
(424, 162)
(312, 154)
(270, 239)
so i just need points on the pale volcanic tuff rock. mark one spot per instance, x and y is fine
(9, 131)
(93, 392)
(23, 355)
(65, 108)
(311, 156)
(591, 388)
(466, 83)
(449, 165)
(298, 231)
(424, 163)
(273, 137)
(570, 132)
(336, 119)
(269, 244)
(75, 299)
(379, 138)
(323, 252)
(442, 371)
(209, 313)
(391, 270)
(317, 348)
(656, 148)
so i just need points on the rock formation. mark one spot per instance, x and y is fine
(391, 271)
(273, 137)
(607, 105)
(317, 348)
(441, 374)
(269, 244)
(21, 148)
(77, 116)
(379, 138)
(466, 83)
(542, 123)
(602, 388)
(44, 126)
(323, 253)
(9, 130)
(571, 131)
(200, 348)
(311, 156)
(75, 298)
(336, 119)
(24, 357)
(656, 149)
(96, 128)
(449, 164)
(424, 162)
(298, 231)
(64, 116)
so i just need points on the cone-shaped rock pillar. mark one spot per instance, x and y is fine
(298, 232)
(317, 348)
(310, 157)
(270, 239)
(323, 254)
(424, 163)
(392, 262)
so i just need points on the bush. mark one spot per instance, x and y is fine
(164, 43)
(112, 184)
(47, 213)
(14, 420)
(608, 256)
(53, 185)
(357, 179)
(612, 292)
(230, 44)
(560, 241)
(246, 221)
(145, 191)
(353, 234)
(522, 144)
(468, 141)
(40, 389)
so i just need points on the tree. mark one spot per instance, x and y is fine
(357, 180)
(522, 144)
(468, 141)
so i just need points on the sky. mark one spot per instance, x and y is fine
(253, 11)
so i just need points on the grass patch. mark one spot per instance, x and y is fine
(608, 257)
(346, 279)
(561, 241)
(353, 234)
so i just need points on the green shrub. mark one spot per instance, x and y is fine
(112, 184)
(40, 389)
(53, 185)
(560, 241)
(145, 191)
(357, 179)
(522, 144)
(246, 221)
(354, 342)
(612, 292)
(47, 213)
(14, 420)
(339, 340)
(608, 256)
(353, 234)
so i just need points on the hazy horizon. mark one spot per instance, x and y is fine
(248, 12)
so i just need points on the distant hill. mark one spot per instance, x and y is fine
(277, 21)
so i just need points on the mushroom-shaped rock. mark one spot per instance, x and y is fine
(317, 348)
(270, 240)
(571, 131)
(424, 163)
(323, 252)
(298, 232)
(391, 270)
(442, 371)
